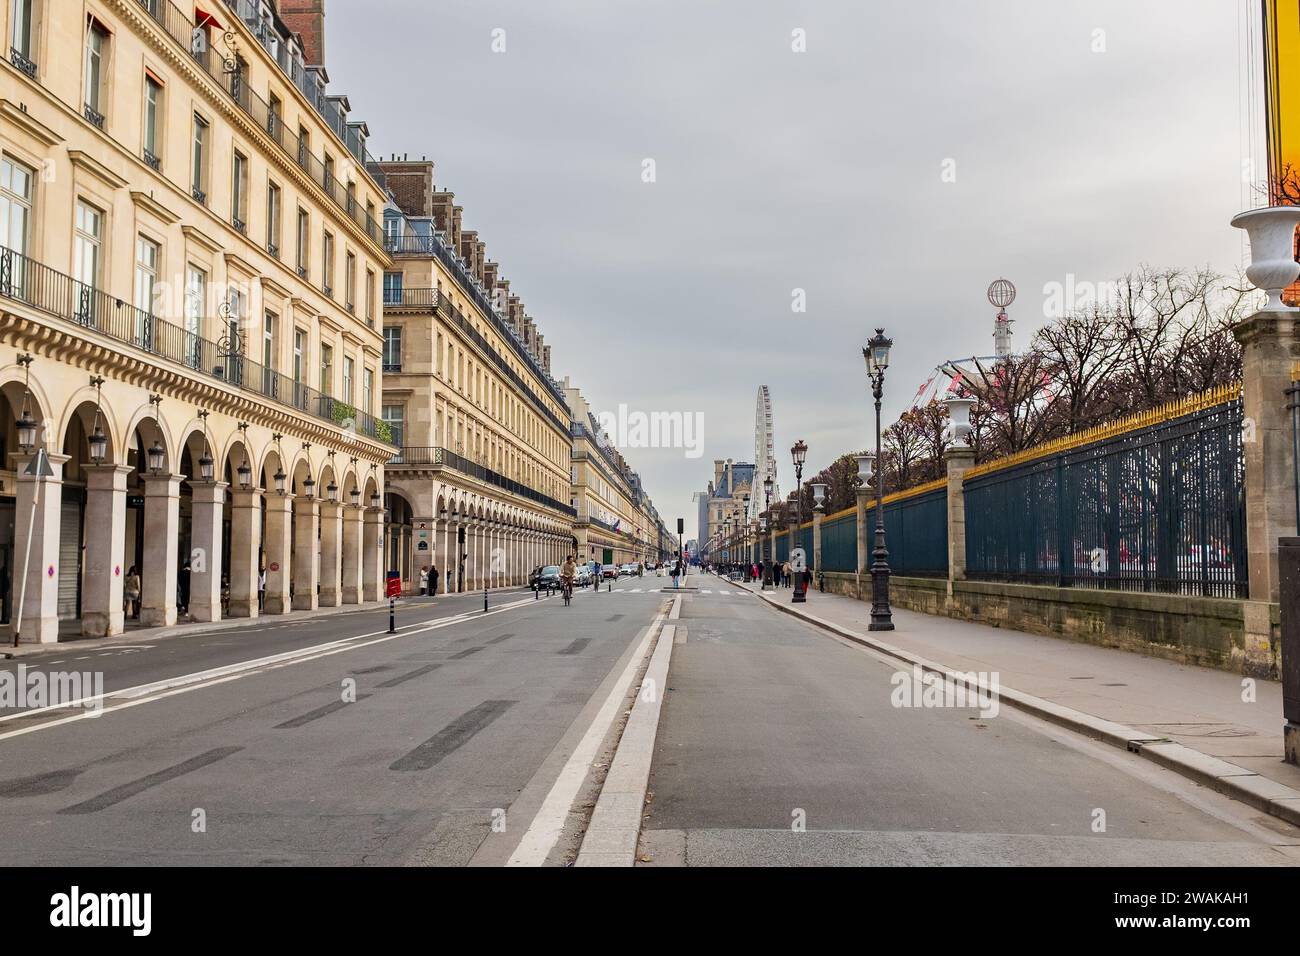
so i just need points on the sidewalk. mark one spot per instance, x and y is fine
(1191, 719)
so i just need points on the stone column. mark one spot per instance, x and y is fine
(817, 544)
(864, 541)
(372, 558)
(245, 547)
(960, 459)
(162, 526)
(209, 502)
(101, 596)
(331, 554)
(279, 552)
(1270, 349)
(306, 548)
(351, 563)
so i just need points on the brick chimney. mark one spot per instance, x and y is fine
(307, 19)
(412, 185)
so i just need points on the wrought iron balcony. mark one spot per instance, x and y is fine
(430, 455)
(26, 281)
(239, 224)
(22, 62)
(273, 250)
(199, 194)
(392, 368)
(152, 161)
(94, 116)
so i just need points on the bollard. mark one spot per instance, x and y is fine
(392, 618)
(485, 599)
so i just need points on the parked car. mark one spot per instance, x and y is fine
(548, 577)
(609, 571)
(533, 576)
(627, 571)
(582, 577)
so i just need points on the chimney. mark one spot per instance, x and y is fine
(546, 358)
(718, 465)
(411, 184)
(307, 19)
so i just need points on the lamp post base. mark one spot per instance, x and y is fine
(881, 614)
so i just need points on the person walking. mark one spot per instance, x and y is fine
(131, 593)
(433, 579)
(785, 575)
(424, 580)
(183, 590)
(261, 590)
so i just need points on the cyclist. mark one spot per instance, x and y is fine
(568, 571)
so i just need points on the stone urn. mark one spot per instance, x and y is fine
(1272, 250)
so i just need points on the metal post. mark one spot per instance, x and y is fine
(392, 618)
(881, 617)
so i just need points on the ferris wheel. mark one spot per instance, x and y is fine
(764, 456)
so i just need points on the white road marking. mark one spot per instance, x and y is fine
(548, 824)
(158, 690)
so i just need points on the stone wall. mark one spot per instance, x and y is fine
(1210, 632)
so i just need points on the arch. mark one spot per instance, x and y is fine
(12, 386)
(82, 413)
(143, 429)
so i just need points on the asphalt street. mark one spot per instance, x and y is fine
(367, 750)
(779, 744)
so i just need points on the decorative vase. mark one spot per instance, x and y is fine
(1272, 251)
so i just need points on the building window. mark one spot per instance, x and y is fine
(392, 230)
(153, 113)
(392, 349)
(326, 370)
(196, 293)
(370, 298)
(239, 193)
(392, 288)
(437, 352)
(96, 72)
(367, 391)
(347, 380)
(304, 146)
(304, 241)
(199, 164)
(395, 418)
(299, 367)
(270, 380)
(87, 234)
(350, 283)
(327, 264)
(147, 254)
(273, 205)
(22, 42)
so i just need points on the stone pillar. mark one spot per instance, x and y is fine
(162, 526)
(864, 542)
(279, 552)
(960, 459)
(372, 558)
(817, 544)
(351, 561)
(1270, 347)
(105, 573)
(306, 551)
(209, 502)
(245, 548)
(331, 554)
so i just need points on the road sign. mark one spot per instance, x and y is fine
(798, 560)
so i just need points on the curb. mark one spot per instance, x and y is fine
(1273, 798)
(615, 827)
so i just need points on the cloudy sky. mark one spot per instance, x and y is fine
(1078, 138)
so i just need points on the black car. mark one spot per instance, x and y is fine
(545, 578)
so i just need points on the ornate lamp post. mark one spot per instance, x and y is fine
(876, 355)
(798, 454)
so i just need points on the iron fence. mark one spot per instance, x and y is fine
(840, 543)
(1159, 508)
(916, 534)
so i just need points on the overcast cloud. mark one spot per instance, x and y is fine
(819, 170)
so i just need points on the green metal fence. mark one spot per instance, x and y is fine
(916, 534)
(1157, 508)
(840, 543)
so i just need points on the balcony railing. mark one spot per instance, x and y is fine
(22, 62)
(152, 161)
(441, 457)
(93, 116)
(433, 299)
(180, 28)
(25, 280)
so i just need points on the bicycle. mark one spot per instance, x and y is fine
(566, 588)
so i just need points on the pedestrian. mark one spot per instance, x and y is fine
(677, 571)
(225, 596)
(131, 593)
(261, 589)
(183, 590)
(433, 579)
(785, 575)
(807, 580)
(424, 580)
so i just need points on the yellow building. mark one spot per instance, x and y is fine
(480, 488)
(191, 259)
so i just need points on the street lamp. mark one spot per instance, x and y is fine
(206, 466)
(332, 492)
(876, 355)
(798, 454)
(26, 425)
(355, 496)
(98, 441)
(308, 486)
(279, 480)
(245, 473)
(376, 500)
(156, 456)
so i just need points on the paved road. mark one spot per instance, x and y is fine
(768, 722)
(453, 720)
